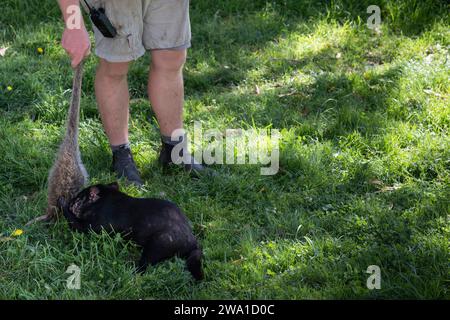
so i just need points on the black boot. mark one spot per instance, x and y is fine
(191, 165)
(124, 166)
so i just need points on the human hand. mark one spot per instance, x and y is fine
(77, 44)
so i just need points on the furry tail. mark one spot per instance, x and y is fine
(194, 264)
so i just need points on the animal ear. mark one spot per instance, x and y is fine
(114, 185)
(94, 194)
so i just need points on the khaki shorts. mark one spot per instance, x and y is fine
(143, 25)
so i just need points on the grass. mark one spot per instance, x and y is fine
(364, 159)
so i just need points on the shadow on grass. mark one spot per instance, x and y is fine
(223, 33)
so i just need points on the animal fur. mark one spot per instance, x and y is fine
(68, 174)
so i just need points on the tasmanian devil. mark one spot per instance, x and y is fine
(159, 226)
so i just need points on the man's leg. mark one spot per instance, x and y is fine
(166, 93)
(166, 88)
(111, 90)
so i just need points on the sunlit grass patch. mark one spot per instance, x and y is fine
(364, 155)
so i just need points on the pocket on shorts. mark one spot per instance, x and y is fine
(166, 24)
(122, 17)
(126, 17)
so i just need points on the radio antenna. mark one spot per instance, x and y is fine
(87, 4)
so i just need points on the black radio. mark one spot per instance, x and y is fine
(101, 21)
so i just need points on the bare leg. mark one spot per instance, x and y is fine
(166, 92)
(111, 90)
(166, 88)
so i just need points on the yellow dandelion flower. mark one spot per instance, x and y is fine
(17, 232)
(9, 88)
(40, 50)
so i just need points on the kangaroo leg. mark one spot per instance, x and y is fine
(49, 216)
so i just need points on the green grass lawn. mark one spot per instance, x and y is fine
(364, 159)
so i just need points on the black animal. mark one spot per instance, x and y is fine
(159, 226)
